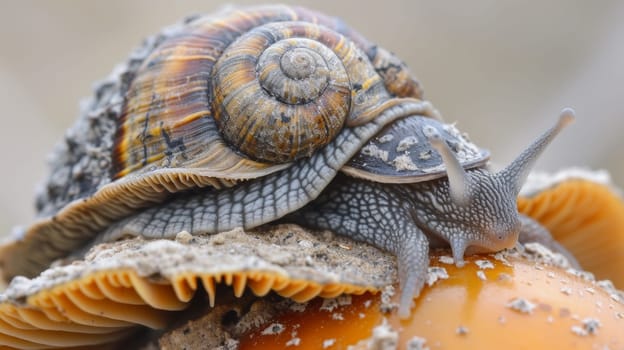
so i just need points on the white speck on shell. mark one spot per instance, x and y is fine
(451, 129)
(425, 155)
(458, 148)
(430, 132)
(372, 150)
(434, 169)
(406, 143)
(404, 162)
(385, 138)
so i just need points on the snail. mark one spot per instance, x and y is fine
(274, 113)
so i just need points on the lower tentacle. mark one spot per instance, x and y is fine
(376, 214)
(413, 261)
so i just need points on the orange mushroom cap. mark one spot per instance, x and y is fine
(488, 304)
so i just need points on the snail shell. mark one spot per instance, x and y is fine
(214, 101)
(278, 92)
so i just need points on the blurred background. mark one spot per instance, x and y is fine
(501, 69)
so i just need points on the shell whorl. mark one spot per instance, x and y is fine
(282, 90)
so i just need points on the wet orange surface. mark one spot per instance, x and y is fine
(465, 311)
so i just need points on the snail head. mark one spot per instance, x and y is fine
(482, 213)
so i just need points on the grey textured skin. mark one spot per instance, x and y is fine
(407, 219)
(474, 210)
(404, 219)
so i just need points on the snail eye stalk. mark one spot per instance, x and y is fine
(515, 174)
(459, 181)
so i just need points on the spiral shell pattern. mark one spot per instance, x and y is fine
(279, 97)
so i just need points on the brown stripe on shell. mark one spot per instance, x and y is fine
(398, 79)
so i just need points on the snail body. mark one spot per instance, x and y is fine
(246, 117)
(154, 130)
